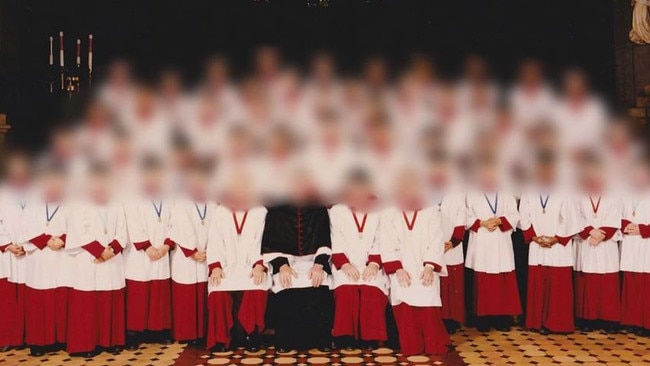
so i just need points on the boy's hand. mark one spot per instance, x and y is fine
(370, 272)
(153, 253)
(285, 274)
(16, 250)
(403, 278)
(317, 275)
(427, 276)
(448, 246)
(199, 256)
(107, 253)
(216, 276)
(351, 272)
(258, 274)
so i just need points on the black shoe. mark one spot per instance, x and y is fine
(115, 350)
(611, 328)
(36, 351)
(132, 346)
(219, 347)
(502, 328)
(6, 348)
(251, 344)
(84, 354)
(325, 349)
(369, 345)
(544, 331)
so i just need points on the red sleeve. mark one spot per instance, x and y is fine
(529, 234)
(117, 248)
(564, 240)
(476, 225)
(95, 248)
(436, 266)
(458, 235)
(339, 260)
(261, 263)
(644, 230)
(609, 232)
(212, 266)
(584, 234)
(392, 267)
(3, 248)
(624, 223)
(374, 258)
(63, 237)
(188, 252)
(505, 224)
(143, 245)
(170, 243)
(40, 241)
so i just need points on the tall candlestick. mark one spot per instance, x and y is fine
(78, 52)
(61, 58)
(51, 51)
(90, 59)
(61, 61)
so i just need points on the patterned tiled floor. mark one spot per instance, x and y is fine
(494, 348)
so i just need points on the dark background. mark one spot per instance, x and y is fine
(155, 34)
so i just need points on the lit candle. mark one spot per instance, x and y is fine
(51, 51)
(90, 52)
(61, 58)
(78, 52)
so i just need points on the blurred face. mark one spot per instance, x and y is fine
(409, 190)
(575, 85)
(357, 194)
(99, 187)
(531, 74)
(197, 185)
(640, 175)
(303, 188)
(53, 186)
(18, 172)
(152, 180)
(545, 174)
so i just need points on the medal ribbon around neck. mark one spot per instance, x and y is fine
(361, 226)
(496, 203)
(595, 207)
(158, 210)
(49, 217)
(544, 202)
(239, 228)
(410, 224)
(205, 211)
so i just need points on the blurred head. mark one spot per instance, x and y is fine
(198, 177)
(358, 191)
(409, 188)
(53, 176)
(99, 181)
(152, 175)
(18, 172)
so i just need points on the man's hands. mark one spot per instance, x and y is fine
(545, 241)
(156, 253)
(351, 272)
(370, 272)
(596, 236)
(317, 275)
(200, 256)
(106, 255)
(16, 250)
(403, 278)
(216, 276)
(258, 274)
(632, 229)
(285, 274)
(55, 243)
(427, 276)
(491, 224)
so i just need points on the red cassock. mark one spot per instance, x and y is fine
(359, 306)
(635, 263)
(550, 271)
(96, 303)
(490, 254)
(190, 226)
(234, 245)
(148, 284)
(48, 275)
(412, 241)
(597, 282)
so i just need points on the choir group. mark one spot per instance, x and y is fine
(310, 210)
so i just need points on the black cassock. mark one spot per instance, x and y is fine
(302, 317)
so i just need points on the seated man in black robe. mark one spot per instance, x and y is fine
(296, 244)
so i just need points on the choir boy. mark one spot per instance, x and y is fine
(412, 250)
(597, 256)
(13, 201)
(635, 251)
(360, 286)
(190, 223)
(147, 272)
(97, 236)
(450, 208)
(45, 226)
(548, 221)
(492, 214)
(238, 282)
(296, 244)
